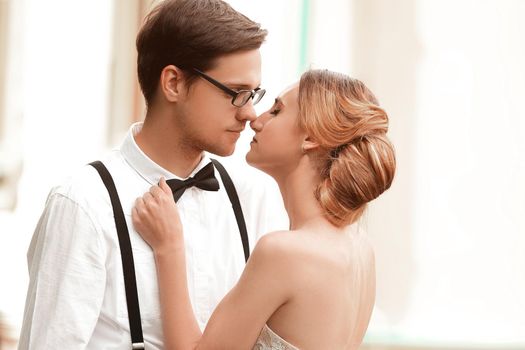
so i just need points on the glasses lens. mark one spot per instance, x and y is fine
(242, 97)
(258, 96)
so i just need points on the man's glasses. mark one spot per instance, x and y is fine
(239, 98)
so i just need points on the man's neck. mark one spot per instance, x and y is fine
(162, 145)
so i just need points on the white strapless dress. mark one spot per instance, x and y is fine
(269, 340)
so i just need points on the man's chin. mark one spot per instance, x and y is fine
(222, 151)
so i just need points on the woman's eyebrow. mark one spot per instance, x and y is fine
(279, 101)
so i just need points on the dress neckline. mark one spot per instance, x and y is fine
(275, 335)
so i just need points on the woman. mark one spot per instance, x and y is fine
(324, 142)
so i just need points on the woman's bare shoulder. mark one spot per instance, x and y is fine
(282, 244)
(282, 251)
(291, 254)
(275, 245)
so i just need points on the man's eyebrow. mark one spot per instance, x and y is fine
(240, 86)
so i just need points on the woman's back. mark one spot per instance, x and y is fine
(333, 278)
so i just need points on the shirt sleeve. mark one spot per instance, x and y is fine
(66, 278)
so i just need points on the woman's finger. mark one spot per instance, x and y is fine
(147, 197)
(156, 192)
(139, 208)
(135, 217)
(139, 204)
(164, 186)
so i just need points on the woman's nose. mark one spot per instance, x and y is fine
(257, 124)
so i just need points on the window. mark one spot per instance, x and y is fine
(10, 106)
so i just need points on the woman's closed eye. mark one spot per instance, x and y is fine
(275, 111)
(276, 108)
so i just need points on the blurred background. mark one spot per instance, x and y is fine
(450, 233)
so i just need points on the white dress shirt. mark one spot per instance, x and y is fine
(76, 297)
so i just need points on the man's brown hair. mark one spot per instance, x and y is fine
(191, 34)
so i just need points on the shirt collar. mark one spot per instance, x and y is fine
(143, 165)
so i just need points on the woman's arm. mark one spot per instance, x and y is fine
(156, 218)
(240, 316)
(180, 327)
(266, 284)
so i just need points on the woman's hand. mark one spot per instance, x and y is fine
(156, 218)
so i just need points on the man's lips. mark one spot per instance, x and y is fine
(236, 130)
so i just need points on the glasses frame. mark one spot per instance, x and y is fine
(234, 94)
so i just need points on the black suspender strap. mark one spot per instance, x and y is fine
(126, 253)
(128, 266)
(236, 205)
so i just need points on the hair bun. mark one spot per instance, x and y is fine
(360, 173)
(344, 116)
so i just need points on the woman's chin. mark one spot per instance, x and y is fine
(250, 159)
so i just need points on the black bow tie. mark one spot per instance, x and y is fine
(203, 179)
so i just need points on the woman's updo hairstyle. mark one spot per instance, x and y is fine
(356, 159)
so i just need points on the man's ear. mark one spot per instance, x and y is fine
(172, 83)
(309, 144)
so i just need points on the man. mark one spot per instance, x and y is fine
(199, 70)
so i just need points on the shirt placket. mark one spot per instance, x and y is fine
(200, 253)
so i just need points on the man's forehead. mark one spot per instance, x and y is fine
(240, 69)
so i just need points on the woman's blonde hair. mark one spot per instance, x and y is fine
(356, 159)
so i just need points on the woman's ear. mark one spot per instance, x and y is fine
(309, 144)
(172, 83)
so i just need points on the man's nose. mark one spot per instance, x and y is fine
(246, 112)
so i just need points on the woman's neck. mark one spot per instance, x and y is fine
(297, 189)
